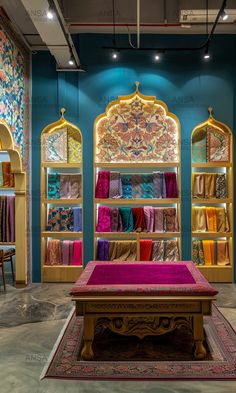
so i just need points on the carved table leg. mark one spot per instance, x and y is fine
(198, 334)
(89, 326)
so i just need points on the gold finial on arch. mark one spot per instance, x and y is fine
(62, 111)
(210, 111)
(137, 83)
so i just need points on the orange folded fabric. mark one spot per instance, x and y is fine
(199, 218)
(211, 219)
(222, 252)
(222, 220)
(8, 177)
(210, 185)
(208, 251)
(198, 185)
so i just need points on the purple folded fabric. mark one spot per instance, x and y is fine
(115, 188)
(77, 218)
(10, 218)
(102, 250)
(104, 219)
(116, 222)
(66, 252)
(159, 185)
(64, 186)
(149, 217)
(71, 247)
(171, 185)
(158, 219)
(102, 187)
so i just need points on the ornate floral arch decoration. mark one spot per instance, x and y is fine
(137, 128)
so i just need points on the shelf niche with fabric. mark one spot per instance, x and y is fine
(212, 200)
(61, 202)
(136, 140)
(18, 188)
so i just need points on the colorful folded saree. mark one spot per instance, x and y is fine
(54, 186)
(198, 185)
(145, 249)
(74, 146)
(221, 186)
(222, 252)
(171, 251)
(170, 219)
(199, 218)
(197, 252)
(104, 219)
(55, 146)
(159, 219)
(158, 251)
(102, 250)
(139, 220)
(102, 186)
(122, 250)
(77, 253)
(142, 185)
(210, 185)
(126, 181)
(171, 185)
(211, 219)
(66, 252)
(116, 222)
(54, 219)
(115, 187)
(221, 220)
(149, 217)
(77, 219)
(208, 251)
(159, 185)
(127, 219)
(54, 255)
(8, 177)
(66, 214)
(218, 145)
(75, 186)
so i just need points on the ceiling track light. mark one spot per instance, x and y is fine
(224, 15)
(71, 61)
(50, 11)
(206, 55)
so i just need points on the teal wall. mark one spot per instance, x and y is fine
(183, 80)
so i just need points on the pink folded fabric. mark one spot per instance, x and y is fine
(77, 253)
(71, 248)
(10, 218)
(103, 182)
(66, 252)
(158, 219)
(149, 217)
(104, 219)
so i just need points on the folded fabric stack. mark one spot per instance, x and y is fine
(6, 176)
(212, 219)
(210, 252)
(210, 185)
(63, 185)
(139, 185)
(137, 219)
(66, 252)
(160, 250)
(64, 219)
(7, 218)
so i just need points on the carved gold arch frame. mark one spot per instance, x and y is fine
(7, 144)
(217, 273)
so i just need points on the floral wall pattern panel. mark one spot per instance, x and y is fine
(137, 129)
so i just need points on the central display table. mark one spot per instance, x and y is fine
(142, 298)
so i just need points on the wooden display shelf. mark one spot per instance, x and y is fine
(217, 273)
(140, 201)
(211, 234)
(7, 188)
(61, 273)
(61, 165)
(131, 165)
(7, 243)
(211, 164)
(68, 234)
(63, 201)
(134, 235)
(212, 200)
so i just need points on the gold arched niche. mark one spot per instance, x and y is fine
(59, 157)
(218, 158)
(7, 145)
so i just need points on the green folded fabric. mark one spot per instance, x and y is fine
(127, 219)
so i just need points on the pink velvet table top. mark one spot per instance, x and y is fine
(142, 278)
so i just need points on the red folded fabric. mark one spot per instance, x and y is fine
(102, 186)
(77, 253)
(171, 185)
(145, 250)
(139, 221)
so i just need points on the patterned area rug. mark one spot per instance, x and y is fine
(167, 357)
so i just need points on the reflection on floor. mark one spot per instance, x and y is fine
(30, 321)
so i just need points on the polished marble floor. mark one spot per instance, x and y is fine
(30, 321)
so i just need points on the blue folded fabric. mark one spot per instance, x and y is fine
(126, 181)
(77, 218)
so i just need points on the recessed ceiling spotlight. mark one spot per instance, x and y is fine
(71, 61)
(157, 57)
(114, 55)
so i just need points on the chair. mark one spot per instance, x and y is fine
(6, 256)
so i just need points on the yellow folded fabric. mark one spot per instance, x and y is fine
(222, 220)
(198, 186)
(211, 219)
(222, 252)
(210, 185)
(199, 218)
(208, 251)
